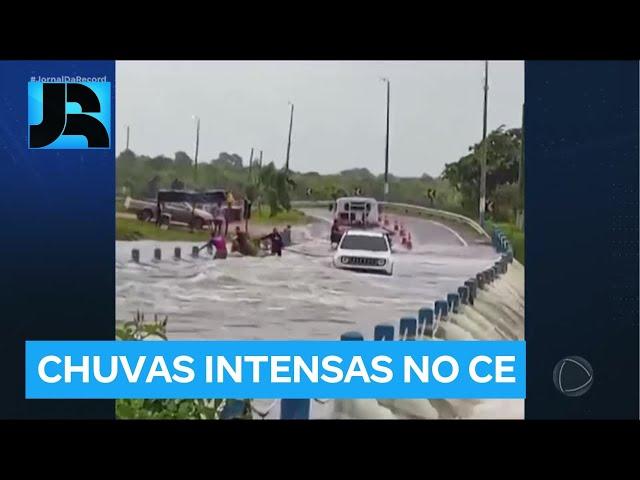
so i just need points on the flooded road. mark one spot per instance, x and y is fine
(297, 296)
(301, 296)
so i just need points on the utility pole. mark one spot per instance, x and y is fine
(286, 167)
(521, 175)
(197, 145)
(386, 148)
(260, 158)
(483, 158)
(127, 137)
(250, 164)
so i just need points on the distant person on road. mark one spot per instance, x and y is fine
(336, 234)
(230, 200)
(286, 236)
(158, 214)
(276, 242)
(228, 211)
(216, 212)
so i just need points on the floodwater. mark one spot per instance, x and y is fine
(301, 296)
(296, 296)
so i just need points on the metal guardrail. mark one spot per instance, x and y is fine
(434, 212)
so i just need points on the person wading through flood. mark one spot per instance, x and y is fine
(218, 243)
(276, 242)
(242, 244)
(336, 235)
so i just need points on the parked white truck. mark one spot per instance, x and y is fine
(180, 212)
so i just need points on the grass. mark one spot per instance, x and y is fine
(292, 217)
(516, 237)
(133, 229)
(120, 205)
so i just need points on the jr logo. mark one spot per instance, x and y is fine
(69, 115)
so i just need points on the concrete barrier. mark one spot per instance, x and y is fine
(426, 323)
(383, 331)
(408, 328)
(463, 293)
(453, 301)
(295, 408)
(472, 285)
(351, 336)
(441, 309)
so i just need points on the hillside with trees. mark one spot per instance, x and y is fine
(457, 189)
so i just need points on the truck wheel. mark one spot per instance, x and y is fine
(146, 215)
(197, 224)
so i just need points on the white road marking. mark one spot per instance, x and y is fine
(456, 234)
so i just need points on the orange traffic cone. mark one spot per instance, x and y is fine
(386, 221)
(395, 225)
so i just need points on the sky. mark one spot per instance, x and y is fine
(339, 119)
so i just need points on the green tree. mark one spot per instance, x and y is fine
(503, 157)
(182, 160)
(507, 202)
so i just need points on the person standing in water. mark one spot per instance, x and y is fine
(336, 235)
(221, 247)
(218, 243)
(242, 243)
(286, 236)
(276, 242)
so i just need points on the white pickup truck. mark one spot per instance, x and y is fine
(181, 212)
(367, 250)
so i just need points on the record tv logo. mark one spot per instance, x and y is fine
(69, 115)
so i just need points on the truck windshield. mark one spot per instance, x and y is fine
(364, 242)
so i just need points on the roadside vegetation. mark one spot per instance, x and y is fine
(263, 216)
(516, 238)
(120, 205)
(139, 329)
(133, 229)
(456, 188)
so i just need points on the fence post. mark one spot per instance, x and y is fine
(351, 336)
(425, 321)
(383, 331)
(295, 408)
(408, 326)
